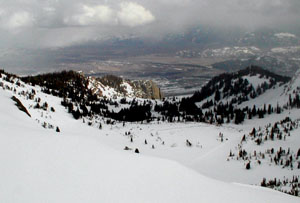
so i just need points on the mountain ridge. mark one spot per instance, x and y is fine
(107, 86)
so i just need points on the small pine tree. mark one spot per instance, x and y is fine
(137, 150)
(248, 166)
(263, 183)
(217, 95)
(57, 129)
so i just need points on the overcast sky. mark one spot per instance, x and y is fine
(59, 23)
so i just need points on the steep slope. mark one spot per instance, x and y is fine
(75, 165)
(112, 87)
(239, 86)
(286, 95)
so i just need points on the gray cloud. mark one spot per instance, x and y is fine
(56, 23)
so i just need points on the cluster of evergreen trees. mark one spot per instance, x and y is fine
(293, 184)
(135, 112)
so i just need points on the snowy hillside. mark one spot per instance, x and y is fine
(82, 163)
(239, 87)
(282, 95)
(98, 88)
(114, 87)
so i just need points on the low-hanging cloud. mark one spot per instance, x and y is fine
(132, 14)
(35, 23)
(16, 20)
(128, 14)
(90, 15)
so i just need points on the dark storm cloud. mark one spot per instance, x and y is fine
(52, 23)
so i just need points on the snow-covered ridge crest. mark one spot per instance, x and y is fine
(293, 87)
(295, 82)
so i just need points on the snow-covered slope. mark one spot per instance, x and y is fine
(278, 94)
(83, 164)
(240, 87)
(114, 87)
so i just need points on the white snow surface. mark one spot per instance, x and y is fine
(111, 93)
(285, 50)
(85, 164)
(256, 80)
(98, 88)
(128, 88)
(285, 35)
(231, 51)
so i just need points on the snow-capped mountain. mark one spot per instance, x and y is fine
(269, 38)
(100, 157)
(230, 52)
(274, 50)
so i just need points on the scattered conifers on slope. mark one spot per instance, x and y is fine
(275, 145)
(237, 84)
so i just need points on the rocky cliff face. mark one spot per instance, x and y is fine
(112, 86)
(147, 89)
